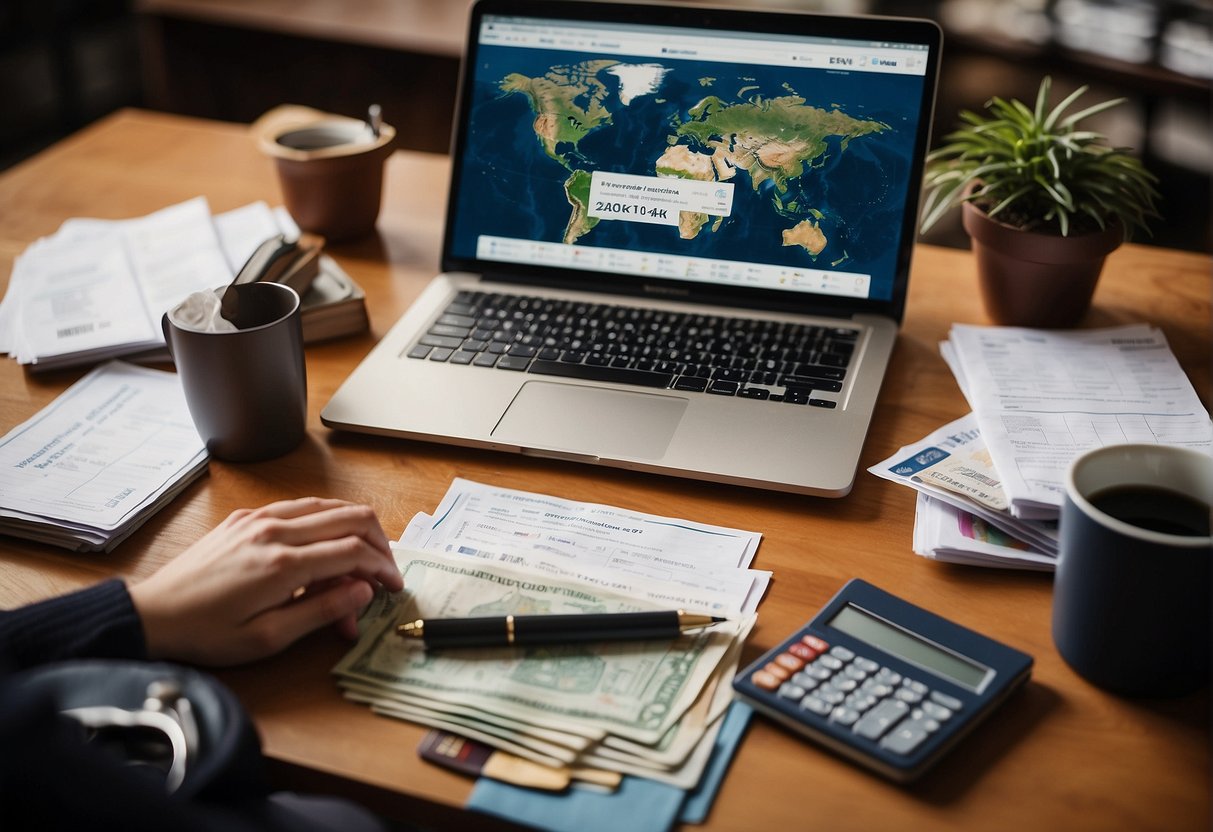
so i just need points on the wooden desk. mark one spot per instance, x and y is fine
(1060, 755)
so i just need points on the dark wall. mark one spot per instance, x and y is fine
(64, 63)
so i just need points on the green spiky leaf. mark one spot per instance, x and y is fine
(1038, 167)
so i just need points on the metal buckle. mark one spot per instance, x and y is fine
(169, 717)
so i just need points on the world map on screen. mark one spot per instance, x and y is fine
(818, 160)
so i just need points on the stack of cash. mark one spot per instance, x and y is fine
(646, 708)
(593, 711)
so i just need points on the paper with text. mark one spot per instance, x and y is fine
(96, 289)
(1043, 397)
(622, 550)
(102, 450)
(957, 454)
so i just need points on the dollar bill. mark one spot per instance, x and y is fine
(575, 742)
(684, 774)
(680, 741)
(635, 690)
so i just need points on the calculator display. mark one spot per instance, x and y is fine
(905, 645)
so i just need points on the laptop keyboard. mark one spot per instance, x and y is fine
(749, 359)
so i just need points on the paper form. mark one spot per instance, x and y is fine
(947, 533)
(97, 288)
(174, 253)
(243, 229)
(1041, 398)
(595, 543)
(76, 296)
(101, 451)
(952, 465)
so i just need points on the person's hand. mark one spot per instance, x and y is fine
(263, 578)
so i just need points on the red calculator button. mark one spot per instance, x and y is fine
(803, 651)
(815, 643)
(765, 680)
(790, 662)
(780, 672)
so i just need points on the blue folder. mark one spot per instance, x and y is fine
(638, 805)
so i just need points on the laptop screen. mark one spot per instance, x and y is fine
(769, 155)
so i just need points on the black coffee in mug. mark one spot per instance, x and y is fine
(1154, 508)
(1132, 606)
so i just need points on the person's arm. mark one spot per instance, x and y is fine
(99, 622)
(254, 584)
(262, 579)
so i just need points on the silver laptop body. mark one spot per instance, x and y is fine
(624, 163)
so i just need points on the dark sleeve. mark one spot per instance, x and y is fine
(99, 622)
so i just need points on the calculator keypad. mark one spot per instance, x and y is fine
(849, 690)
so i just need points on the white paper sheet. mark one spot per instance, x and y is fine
(78, 296)
(102, 451)
(96, 289)
(1043, 397)
(960, 439)
(597, 544)
(946, 533)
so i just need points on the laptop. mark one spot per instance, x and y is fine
(677, 241)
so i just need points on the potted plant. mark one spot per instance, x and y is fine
(1043, 201)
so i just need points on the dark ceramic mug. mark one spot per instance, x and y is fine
(246, 389)
(1131, 595)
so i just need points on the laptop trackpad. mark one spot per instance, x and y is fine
(590, 420)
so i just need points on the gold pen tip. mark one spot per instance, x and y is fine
(692, 621)
(414, 629)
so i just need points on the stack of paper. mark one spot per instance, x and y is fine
(90, 468)
(962, 514)
(1043, 397)
(650, 709)
(96, 289)
(1040, 398)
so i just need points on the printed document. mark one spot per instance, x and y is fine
(946, 533)
(615, 548)
(96, 289)
(100, 459)
(952, 466)
(1043, 397)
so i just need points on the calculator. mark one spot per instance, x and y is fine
(883, 682)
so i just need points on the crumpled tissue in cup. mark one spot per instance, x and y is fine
(200, 312)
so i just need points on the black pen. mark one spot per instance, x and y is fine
(505, 630)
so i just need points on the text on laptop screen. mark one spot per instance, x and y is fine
(737, 159)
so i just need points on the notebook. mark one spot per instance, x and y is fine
(677, 241)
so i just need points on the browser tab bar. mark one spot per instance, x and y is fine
(739, 48)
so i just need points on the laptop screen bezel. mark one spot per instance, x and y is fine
(862, 28)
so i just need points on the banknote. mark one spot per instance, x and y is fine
(494, 739)
(670, 752)
(574, 741)
(684, 774)
(522, 744)
(635, 690)
(677, 744)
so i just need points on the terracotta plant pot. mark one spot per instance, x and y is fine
(1034, 279)
(330, 168)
